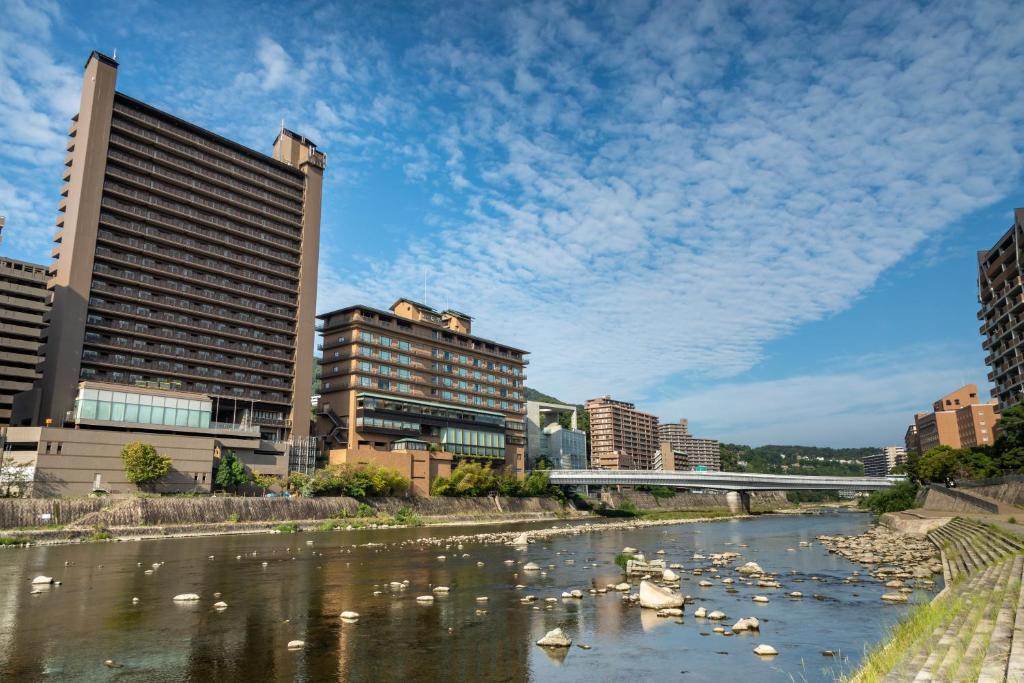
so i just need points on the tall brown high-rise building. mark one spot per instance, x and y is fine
(24, 301)
(621, 437)
(402, 385)
(1001, 295)
(185, 262)
(958, 420)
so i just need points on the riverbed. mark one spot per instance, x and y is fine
(284, 587)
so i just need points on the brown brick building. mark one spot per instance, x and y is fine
(1001, 295)
(621, 437)
(413, 388)
(958, 420)
(185, 262)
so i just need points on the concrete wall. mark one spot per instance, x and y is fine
(760, 500)
(953, 500)
(1005, 489)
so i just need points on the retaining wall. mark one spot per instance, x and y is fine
(133, 511)
(759, 500)
(1009, 489)
(952, 500)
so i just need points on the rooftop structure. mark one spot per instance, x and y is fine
(552, 435)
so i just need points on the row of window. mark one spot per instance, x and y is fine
(381, 423)
(403, 345)
(417, 408)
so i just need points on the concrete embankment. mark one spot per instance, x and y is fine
(760, 501)
(974, 629)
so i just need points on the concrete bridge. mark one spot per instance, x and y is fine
(736, 484)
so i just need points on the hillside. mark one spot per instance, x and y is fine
(811, 460)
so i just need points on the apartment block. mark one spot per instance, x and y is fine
(876, 465)
(894, 455)
(1001, 297)
(24, 304)
(415, 382)
(184, 262)
(958, 420)
(564, 446)
(621, 437)
(911, 440)
(699, 453)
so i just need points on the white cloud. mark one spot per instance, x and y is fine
(852, 402)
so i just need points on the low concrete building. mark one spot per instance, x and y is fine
(84, 455)
(412, 458)
(876, 465)
(546, 437)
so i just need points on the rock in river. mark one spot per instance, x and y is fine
(747, 624)
(186, 597)
(531, 567)
(765, 650)
(39, 580)
(656, 597)
(556, 638)
(750, 568)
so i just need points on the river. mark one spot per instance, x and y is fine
(66, 632)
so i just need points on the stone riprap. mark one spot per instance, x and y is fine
(980, 633)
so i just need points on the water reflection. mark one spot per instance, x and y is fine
(67, 632)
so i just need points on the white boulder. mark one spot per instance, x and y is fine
(186, 597)
(296, 644)
(41, 580)
(349, 615)
(555, 638)
(531, 567)
(521, 540)
(656, 597)
(760, 598)
(765, 650)
(747, 624)
(750, 568)
(669, 575)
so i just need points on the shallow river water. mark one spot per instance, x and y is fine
(67, 632)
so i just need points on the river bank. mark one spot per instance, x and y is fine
(134, 518)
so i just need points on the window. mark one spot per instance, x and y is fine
(403, 359)
(447, 395)
(385, 341)
(366, 351)
(385, 355)
(404, 345)
(365, 336)
(384, 384)
(364, 381)
(385, 370)
(365, 366)
(404, 374)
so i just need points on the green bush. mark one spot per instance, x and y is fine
(364, 510)
(406, 517)
(287, 528)
(475, 479)
(900, 497)
(349, 480)
(13, 540)
(233, 518)
(622, 558)
(143, 466)
(662, 492)
(328, 525)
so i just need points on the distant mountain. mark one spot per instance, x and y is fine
(795, 459)
(534, 395)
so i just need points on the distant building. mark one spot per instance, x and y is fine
(912, 443)
(958, 420)
(669, 459)
(24, 305)
(876, 465)
(621, 437)
(700, 453)
(1000, 294)
(894, 455)
(563, 447)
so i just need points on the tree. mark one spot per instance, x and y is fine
(143, 466)
(265, 481)
(231, 472)
(13, 478)
(900, 497)
(1011, 428)
(938, 464)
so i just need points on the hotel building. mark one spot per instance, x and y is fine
(621, 437)
(958, 420)
(412, 388)
(1001, 296)
(184, 262)
(702, 453)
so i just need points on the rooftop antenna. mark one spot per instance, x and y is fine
(424, 285)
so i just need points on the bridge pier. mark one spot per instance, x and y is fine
(738, 501)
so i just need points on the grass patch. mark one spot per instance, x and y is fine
(622, 558)
(13, 540)
(232, 518)
(918, 624)
(406, 517)
(328, 525)
(101, 536)
(287, 528)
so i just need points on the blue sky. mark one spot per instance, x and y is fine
(759, 216)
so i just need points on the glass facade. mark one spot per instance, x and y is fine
(138, 408)
(473, 442)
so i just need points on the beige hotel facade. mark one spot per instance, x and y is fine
(412, 388)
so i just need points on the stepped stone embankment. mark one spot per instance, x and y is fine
(974, 629)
